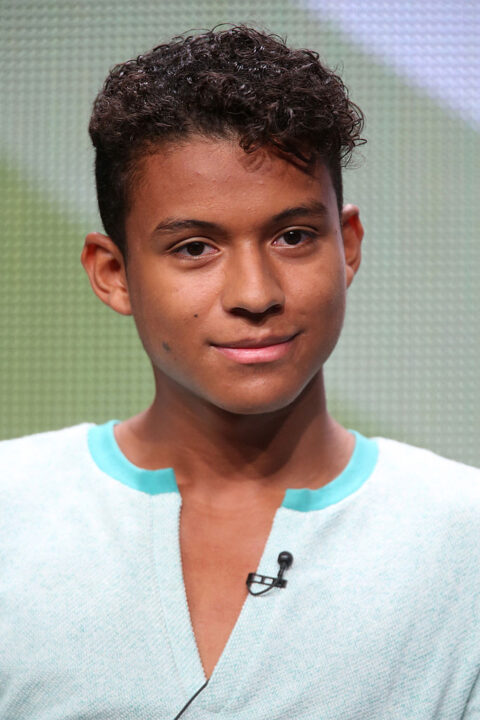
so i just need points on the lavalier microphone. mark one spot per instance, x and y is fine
(285, 559)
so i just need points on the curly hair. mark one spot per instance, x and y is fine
(236, 82)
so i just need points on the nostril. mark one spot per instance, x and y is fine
(257, 317)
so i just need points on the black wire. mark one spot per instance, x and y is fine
(191, 700)
(261, 592)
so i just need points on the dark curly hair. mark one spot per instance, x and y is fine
(236, 82)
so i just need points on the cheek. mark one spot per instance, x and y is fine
(322, 293)
(334, 306)
(167, 315)
(322, 311)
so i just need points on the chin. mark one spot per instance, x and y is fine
(257, 403)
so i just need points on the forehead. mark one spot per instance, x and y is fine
(207, 176)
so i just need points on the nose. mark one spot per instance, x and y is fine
(251, 285)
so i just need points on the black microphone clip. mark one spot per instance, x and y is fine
(285, 559)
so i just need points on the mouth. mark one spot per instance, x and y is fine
(257, 350)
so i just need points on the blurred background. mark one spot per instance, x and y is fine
(407, 364)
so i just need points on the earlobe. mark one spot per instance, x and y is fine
(105, 266)
(352, 234)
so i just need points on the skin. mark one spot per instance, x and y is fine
(238, 433)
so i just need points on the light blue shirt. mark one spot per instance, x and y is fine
(379, 619)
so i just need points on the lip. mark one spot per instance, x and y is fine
(256, 350)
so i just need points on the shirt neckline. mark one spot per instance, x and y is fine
(110, 459)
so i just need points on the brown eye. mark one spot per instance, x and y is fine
(195, 248)
(291, 238)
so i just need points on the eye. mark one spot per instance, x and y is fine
(294, 237)
(194, 249)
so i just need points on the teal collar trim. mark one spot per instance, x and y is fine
(109, 458)
(358, 470)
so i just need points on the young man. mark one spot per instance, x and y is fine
(128, 545)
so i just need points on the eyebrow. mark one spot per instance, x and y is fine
(315, 208)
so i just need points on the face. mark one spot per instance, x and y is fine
(237, 273)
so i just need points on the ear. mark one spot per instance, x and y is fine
(352, 233)
(105, 267)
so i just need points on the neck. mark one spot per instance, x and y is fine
(297, 446)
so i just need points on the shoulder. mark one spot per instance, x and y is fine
(29, 449)
(424, 465)
(42, 478)
(33, 459)
(432, 485)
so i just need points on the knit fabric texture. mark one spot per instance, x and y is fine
(379, 619)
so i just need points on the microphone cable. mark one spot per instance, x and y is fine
(191, 700)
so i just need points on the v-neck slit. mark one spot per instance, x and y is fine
(300, 515)
(179, 623)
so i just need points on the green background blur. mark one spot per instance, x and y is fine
(406, 365)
